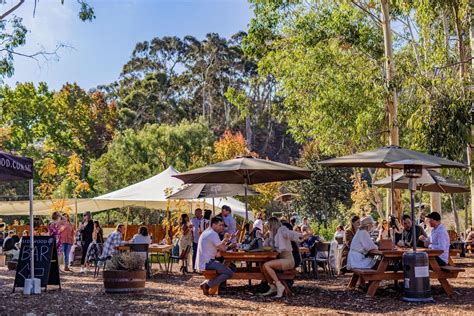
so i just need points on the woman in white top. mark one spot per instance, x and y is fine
(280, 239)
(361, 245)
(142, 237)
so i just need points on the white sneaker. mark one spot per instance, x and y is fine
(83, 270)
(272, 290)
(280, 289)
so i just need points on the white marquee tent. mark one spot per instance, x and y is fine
(150, 193)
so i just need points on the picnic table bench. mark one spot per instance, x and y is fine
(380, 273)
(249, 272)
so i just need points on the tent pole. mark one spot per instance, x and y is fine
(213, 207)
(75, 212)
(126, 223)
(32, 245)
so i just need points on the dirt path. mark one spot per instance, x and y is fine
(180, 294)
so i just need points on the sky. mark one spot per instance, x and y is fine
(97, 50)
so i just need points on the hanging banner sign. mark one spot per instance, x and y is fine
(15, 167)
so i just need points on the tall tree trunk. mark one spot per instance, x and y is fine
(392, 101)
(460, 36)
(248, 132)
(471, 145)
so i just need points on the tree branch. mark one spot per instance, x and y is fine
(371, 15)
(16, 6)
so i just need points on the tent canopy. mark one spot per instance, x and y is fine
(150, 193)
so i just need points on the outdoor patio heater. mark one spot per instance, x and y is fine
(416, 274)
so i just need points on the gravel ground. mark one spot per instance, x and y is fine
(175, 293)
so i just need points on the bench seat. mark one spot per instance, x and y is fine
(253, 274)
(452, 269)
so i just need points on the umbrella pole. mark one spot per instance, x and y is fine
(392, 192)
(412, 188)
(246, 211)
(32, 245)
(213, 207)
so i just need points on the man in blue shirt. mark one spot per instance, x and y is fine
(229, 221)
(439, 238)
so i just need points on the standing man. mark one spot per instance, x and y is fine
(229, 221)
(209, 244)
(439, 238)
(259, 222)
(196, 222)
(421, 221)
(86, 229)
(305, 224)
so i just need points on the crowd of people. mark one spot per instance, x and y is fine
(359, 242)
(280, 235)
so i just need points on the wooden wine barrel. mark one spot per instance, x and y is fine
(124, 281)
(11, 265)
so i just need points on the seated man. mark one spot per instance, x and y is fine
(208, 245)
(407, 236)
(439, 238)
(113, 242)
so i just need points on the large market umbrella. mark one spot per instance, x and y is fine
(245, 170)
(20, 168)
(380, 157)
(211, 190)
(430, 181)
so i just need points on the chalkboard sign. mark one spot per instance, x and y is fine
(46, 262)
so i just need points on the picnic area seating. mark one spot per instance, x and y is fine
(253, 274)
(381, 273)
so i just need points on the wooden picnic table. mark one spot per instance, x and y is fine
(380, 272)
(151, 248)
(248, 272)
(154, 249)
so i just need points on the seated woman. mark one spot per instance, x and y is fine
(361, 245)
(349, 234)
(280, 238)
(142, 237)
(384, 231)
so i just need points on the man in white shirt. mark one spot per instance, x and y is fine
(259, 222)
(196, 221)
(209, 244)
(439, 238)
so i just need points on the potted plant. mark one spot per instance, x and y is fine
(125, 273)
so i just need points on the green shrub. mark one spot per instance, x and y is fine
(126, 262)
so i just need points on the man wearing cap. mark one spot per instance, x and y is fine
(439, 238)
(361, 245)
